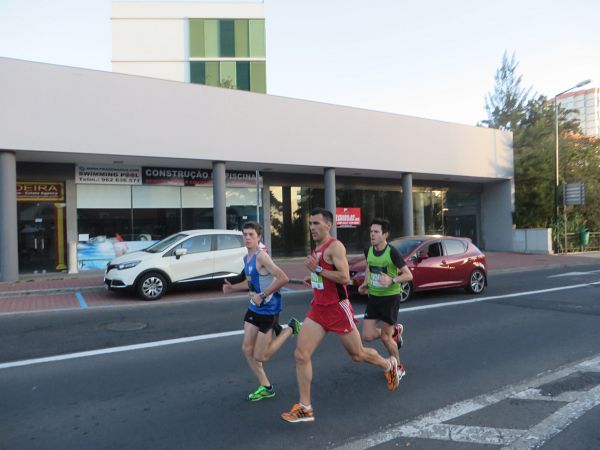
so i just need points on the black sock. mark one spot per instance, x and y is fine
(269, 387)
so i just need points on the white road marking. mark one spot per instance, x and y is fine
(67, 356)
(125, 348)
(573, 274)
(431, 426)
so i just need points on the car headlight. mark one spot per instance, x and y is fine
(128, 264)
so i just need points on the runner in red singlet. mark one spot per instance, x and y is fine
(330, 311)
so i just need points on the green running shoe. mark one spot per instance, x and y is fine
(295, 325)
(260, 393)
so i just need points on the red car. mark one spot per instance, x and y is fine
(435, 262)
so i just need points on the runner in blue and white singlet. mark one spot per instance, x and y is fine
(257, 282)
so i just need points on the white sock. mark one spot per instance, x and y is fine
(305, 407)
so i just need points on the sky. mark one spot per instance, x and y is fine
(434, 59)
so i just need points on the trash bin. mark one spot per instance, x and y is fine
(584, 236)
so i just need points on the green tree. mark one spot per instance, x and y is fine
(505, 106)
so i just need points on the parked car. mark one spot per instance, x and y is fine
(185, 257)
(435, 262)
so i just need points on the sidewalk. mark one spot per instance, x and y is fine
(498, 262)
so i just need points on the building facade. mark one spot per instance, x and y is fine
(90, 157)
(586, 108)
(217, 44)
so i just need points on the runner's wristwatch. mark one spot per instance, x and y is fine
(318, 269)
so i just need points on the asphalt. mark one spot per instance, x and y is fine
(44, 288)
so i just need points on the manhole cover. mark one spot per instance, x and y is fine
(125, 326)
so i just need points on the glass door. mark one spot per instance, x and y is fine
(42, 246)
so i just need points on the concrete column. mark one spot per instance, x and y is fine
(219, 201)
(330, 202)
(9, 232)
(407, 204)
(286, 197)
(266, 204)
(420, 213)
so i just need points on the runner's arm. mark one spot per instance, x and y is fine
(404, 274)
(228, 287)
(337, 253)
(280, 278)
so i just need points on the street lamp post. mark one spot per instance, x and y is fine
(556, 176)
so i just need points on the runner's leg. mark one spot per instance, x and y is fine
(266, 346)
(311, 335)
(250, 336)
(353, 345)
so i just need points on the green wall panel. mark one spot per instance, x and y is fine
(241, 38)
(242, 70)
(197, 38)
(198, 72)
(226, 39)
(256, 32)
(211, 38)
(228, 78)
(258, 77)
(212, 74)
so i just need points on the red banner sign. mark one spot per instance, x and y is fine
(347, 217)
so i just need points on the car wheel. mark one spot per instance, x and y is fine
(406, 290)
(151, 286)
(476, 282)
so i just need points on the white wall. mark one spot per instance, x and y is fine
(165, 10)
(173, 71)
(148, 40)
(496, 218)
(61, 109)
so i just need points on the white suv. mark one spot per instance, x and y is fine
(185, 257)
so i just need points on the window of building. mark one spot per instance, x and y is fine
(243, 75)
(227, 38)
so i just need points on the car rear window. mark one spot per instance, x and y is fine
(455, 246)
(229, 241)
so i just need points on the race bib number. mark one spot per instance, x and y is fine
(316, 281)
(375, 276)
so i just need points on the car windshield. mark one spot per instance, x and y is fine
(165, 243)
(405, 246)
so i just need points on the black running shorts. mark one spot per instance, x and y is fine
(264, 322)
(384, 308)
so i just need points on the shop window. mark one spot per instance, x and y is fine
(158, 223)
(105, 223)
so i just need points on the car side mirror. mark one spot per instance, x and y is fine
(180, 252)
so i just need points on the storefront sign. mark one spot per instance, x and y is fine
(108, 175)
(193, 177)
(37, 191)
(347, 217)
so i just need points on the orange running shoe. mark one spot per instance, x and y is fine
(398, 336)
(299, 414)
(391, 375)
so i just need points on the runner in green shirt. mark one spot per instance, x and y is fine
(385, 271)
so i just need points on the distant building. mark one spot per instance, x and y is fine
(217, 44)
(586, 104)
